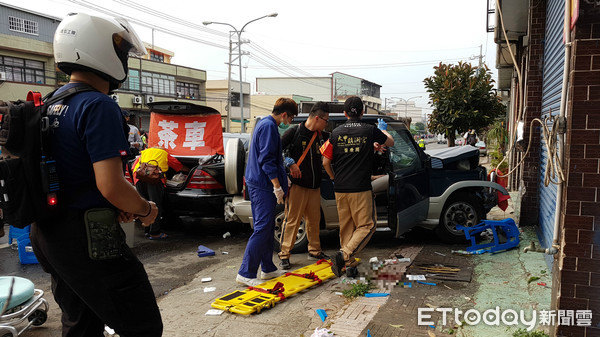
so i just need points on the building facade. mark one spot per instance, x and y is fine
(336, 87)
(553, 81)
(27, 63)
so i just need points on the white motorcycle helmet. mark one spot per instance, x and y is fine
(97, 44)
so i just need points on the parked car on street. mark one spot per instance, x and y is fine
(193, 134)
(482, 148)
(439, 190)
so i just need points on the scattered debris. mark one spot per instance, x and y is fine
(533, 278)
(543, 284)
(396, 325)
(407, 285)
(339, 293)
(377, 294)
(225, 253)
(322, 332)
(416, 277)
(226, 235)
(374, 259)
(209, 289)
(322, 314)
(358, 289)
(206, 279)
(447, 287)
(204, 251)
(438, 253)
(427, 283)
(213, 312)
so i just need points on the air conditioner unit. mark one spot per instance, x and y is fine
(137, 100)
(115, 98)
(149, 99)
(2, 76)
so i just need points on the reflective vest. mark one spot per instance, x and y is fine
(422, 143)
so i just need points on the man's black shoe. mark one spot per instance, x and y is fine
(337, 263)
(320, 256)
(352, 272)
(285, 264)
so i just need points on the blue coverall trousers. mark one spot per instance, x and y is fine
(259, 251)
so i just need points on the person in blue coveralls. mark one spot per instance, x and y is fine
(267, 184)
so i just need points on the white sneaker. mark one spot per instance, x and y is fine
(250, 282)
(270, 275)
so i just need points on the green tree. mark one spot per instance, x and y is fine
(419, 126)
(463, 98)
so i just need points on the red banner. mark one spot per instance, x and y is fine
(186, 135)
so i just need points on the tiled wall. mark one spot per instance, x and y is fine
(578, 278)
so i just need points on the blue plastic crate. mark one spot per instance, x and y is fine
(26, 255)
(14, 233)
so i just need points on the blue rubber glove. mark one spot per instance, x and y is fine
(381, 124)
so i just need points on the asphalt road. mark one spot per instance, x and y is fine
(173, 264)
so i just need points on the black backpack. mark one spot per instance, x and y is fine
(471, 139)
(28, 179)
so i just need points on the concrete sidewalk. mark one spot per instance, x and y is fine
(506, 280)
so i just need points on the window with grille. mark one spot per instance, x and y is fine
(188, 90)
(22, 25)
(22, 70)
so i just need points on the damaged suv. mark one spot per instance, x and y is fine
(439, 190)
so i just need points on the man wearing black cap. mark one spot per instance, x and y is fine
(350, 151)
(135, 140)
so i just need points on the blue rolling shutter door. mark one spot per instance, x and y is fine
(551, 92)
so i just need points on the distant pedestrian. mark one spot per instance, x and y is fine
(302, 143)
(422, 142)
(144, 137)
(135, 140)
(471, 138)
(349, 151)
(267, 185)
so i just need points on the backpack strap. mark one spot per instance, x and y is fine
(49, 99)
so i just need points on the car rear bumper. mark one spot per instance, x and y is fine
(192, 203)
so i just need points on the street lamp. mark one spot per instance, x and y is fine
(239, 35)
(385, 102)
(406, 106)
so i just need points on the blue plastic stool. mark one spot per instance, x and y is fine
(26, 255)
(507, 226)
(14, 233)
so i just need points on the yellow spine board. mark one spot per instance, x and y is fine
(246, 302)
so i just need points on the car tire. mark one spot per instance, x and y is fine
(301, 244)
(234, 165)
(462, 209)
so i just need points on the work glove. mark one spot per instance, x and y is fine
(381, 124)
(278, 191)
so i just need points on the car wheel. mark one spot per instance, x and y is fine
(464, 210)
(234, 165)
(301, 244)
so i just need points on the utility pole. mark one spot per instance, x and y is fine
(480, 56)
(228, 122)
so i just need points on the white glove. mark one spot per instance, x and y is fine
(278, 191)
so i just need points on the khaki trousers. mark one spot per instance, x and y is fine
(301, 203)
(356, 213)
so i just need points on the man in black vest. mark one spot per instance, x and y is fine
(350, 151)
(302, 144)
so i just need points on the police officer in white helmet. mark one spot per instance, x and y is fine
(96, 279)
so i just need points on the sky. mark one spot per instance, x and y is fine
(395, 43)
